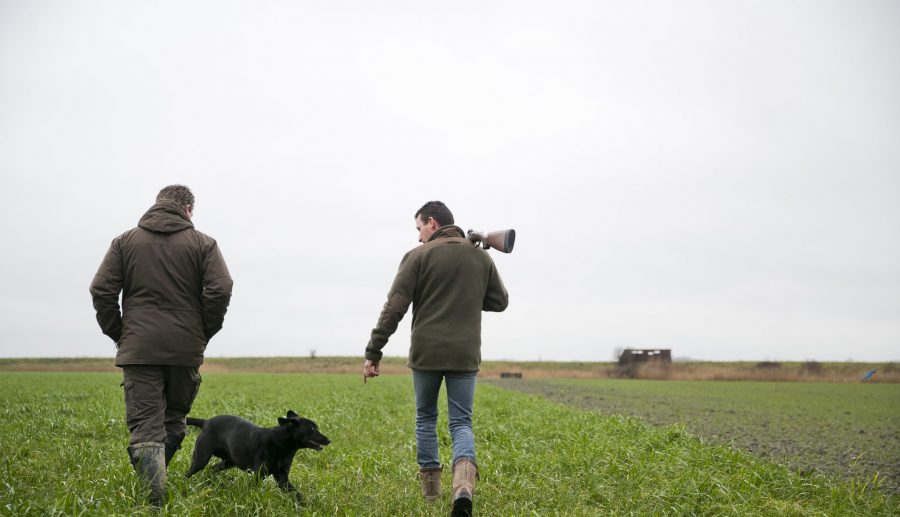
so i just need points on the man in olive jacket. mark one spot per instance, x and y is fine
(175, 290)
(449, 283)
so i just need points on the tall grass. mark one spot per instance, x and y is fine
(62, 443)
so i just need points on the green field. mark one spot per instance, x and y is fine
(62, 445)
(850, 431)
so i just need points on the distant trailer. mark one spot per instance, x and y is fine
(643, 355)
(510, 375)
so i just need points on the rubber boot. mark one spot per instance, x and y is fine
(464, 475)
(430, 477)
(173, 444)
(149, 460)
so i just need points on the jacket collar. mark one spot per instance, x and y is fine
(447, 232)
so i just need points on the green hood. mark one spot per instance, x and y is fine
(165, 217)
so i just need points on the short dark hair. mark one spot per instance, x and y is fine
(177, 193)
(437, 211)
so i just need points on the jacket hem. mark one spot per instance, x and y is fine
(442, 368)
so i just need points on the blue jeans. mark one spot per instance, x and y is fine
(460, 400)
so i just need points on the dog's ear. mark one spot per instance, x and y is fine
(291, 414)
(286, 421)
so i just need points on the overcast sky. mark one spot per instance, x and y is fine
(719, 178)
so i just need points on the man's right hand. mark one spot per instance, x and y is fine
(370, 369)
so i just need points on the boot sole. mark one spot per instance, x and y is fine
(462, 507)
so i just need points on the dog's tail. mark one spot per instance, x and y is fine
(196, 422)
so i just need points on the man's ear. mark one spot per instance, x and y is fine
(291, 414)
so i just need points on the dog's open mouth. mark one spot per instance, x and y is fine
(315, 445)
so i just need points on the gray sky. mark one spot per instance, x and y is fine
(721, 178)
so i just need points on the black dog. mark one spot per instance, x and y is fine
(246, 446)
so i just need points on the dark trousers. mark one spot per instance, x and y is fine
(157, 398)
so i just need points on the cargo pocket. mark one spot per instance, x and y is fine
(133, 412)
(196, 379)
(142, 407)
(129, 396)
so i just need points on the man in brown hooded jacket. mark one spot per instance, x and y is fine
(175, 290)
(449, 283)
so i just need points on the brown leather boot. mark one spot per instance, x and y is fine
(430, 477)
(464, 475)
